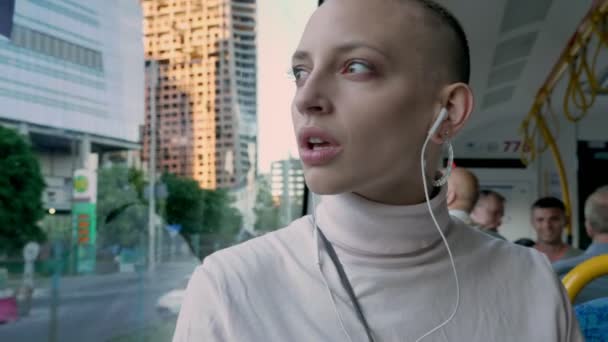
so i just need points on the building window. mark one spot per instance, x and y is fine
(45, 44)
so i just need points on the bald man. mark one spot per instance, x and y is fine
(464, 196)
(463, 190)
(488, 212)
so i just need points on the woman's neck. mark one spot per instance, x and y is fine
(368, 227)
(404, 194)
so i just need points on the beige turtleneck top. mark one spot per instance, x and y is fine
(270, 288)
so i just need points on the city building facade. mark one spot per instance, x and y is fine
(72, 82)
(204, 89)
(287, 187)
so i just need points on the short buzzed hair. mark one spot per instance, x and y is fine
(483, 194)
(549, 203)
(458, 57)
(596, 210)
(466, 187)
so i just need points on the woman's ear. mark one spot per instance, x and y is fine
(459, 104)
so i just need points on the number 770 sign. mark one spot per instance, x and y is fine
(514, 146)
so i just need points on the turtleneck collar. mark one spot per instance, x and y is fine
(362, 226)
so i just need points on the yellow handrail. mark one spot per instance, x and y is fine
(584, 273)
(559, 163)
(574, 60)
(563, 178)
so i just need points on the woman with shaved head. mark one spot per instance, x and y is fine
(381, 86)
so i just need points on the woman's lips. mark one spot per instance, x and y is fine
(319, 156)
(317, 147)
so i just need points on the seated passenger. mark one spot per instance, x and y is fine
(380, 85)
(463, 190)
(596, 224)
(548, 218)
(488, 212)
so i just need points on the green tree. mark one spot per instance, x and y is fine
(121, 210)
(220, 218)
(207, 214)
(184, 204)
(267, 214)
(21, 187)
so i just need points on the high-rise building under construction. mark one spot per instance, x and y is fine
(205, 93)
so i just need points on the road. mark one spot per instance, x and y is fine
(97, 308)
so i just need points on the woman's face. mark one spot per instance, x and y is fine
(363, 104)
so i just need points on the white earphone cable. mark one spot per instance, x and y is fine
(445, 241)
(428, 202)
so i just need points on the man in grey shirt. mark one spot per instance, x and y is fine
(596, 224)
(548, 217)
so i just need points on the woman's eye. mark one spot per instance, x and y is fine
(356, 68)
(299, 74)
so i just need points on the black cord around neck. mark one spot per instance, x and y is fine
(346, 283)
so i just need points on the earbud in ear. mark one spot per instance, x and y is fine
(442, 115)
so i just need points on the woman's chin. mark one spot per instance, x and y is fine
(325, 184)
(323, 190)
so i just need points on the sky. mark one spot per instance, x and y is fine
(280, 25)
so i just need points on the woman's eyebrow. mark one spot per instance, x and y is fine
(356, 44)
(302, 55)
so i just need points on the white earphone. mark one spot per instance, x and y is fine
(443, 113)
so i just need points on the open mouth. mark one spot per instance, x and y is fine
(315, 138)
(317, 144)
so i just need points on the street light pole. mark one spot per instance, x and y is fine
(152, 82)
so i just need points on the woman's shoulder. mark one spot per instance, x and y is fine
(504, 265)
(484, 247)
(225, 290)
(264, 253)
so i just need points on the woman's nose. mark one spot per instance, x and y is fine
(312, 98)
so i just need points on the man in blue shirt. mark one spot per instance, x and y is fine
(596, 224)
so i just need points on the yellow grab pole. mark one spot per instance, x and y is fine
(578, 41)
(563, 180)
(584, 273)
